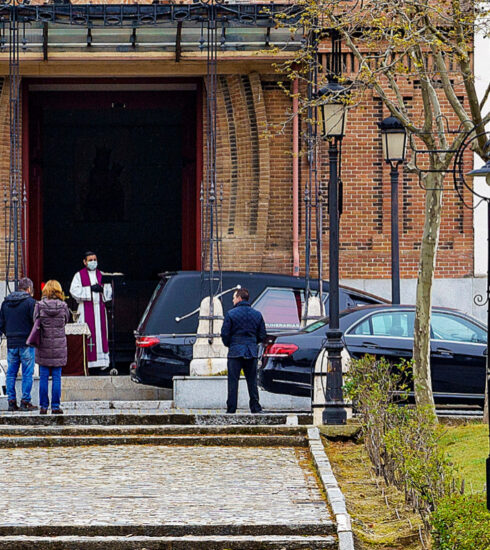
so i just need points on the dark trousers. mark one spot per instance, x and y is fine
(249, 366)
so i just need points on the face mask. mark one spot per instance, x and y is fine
(92, 265)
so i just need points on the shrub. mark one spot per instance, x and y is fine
(461, 522)
(422, 469)
(371, 384)
(402, 442)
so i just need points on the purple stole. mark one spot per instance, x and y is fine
(89, 315)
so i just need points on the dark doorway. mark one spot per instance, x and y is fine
(114, 172)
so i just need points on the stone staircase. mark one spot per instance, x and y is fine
(161, 481)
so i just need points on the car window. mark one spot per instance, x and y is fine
(280, 307)
(316, 325)
(151, 304)
(397, 324)
(446, 326)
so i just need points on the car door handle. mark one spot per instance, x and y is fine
(370, 345)
(444, 352)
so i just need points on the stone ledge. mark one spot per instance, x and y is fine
(263, 542)
(174, 440)
(177, 529)
(210, 392)
(96, 388)
(116, 418)
(334, 494)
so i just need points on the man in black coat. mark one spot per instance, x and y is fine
(243, 328)
(16, 321)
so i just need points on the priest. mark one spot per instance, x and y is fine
(87, 289)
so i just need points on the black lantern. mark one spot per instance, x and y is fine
(394, 139)
(484, 171)
(331, 101)
(333, 110)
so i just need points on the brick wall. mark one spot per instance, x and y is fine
(255, 174)
(365, 233)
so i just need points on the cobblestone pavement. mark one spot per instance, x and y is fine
(136, 485)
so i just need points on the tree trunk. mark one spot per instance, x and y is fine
(430, 239)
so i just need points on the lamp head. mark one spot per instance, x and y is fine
(483, 171)
(333, 109)
(394, 138)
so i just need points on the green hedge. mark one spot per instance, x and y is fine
(462, 522)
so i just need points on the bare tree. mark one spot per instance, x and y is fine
(395, 43)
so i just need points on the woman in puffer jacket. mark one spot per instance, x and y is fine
(51, 354)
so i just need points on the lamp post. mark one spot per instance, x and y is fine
(333, 117)
(460, 183)
(484, 171)
(394, 146)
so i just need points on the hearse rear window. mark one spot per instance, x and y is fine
(281, 308)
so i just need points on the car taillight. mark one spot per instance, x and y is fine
(147, 341)
(280, 350)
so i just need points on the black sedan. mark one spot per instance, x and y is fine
(458, 350)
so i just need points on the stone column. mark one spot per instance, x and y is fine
(208, 353)
(315, 311)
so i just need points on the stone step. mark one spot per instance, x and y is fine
(30, 419)
(245, 542)
(106, 405)
(322, 528)
(188, 440)
(112, 430)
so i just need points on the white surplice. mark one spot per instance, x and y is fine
(84, 294)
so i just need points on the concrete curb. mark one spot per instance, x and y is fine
(334, 494)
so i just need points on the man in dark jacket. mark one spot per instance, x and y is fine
(243, 328)
(16, 321)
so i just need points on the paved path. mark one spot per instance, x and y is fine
(138, 484)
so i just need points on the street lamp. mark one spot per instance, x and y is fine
(484, 171)
(333, 116)
(394, 146)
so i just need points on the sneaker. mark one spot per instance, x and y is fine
(56, 411)
(13, 406)
(43, 411)
(27, 406)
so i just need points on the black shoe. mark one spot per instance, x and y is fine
(230, 412)
(257, 411)
(43, 411)
(56, 411)
(27, 406)
(13, 406)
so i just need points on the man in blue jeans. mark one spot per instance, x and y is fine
(243, 328)
(16, 321)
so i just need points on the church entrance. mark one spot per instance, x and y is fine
(114, 169)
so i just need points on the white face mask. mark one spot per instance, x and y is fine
(92, 265)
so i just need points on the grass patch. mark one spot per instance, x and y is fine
(467, 447)
(380, 518)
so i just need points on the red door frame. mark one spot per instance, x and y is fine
(32, 174)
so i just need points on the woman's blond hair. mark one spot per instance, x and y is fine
(52, 289)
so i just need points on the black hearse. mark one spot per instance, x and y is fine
(166, 332)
